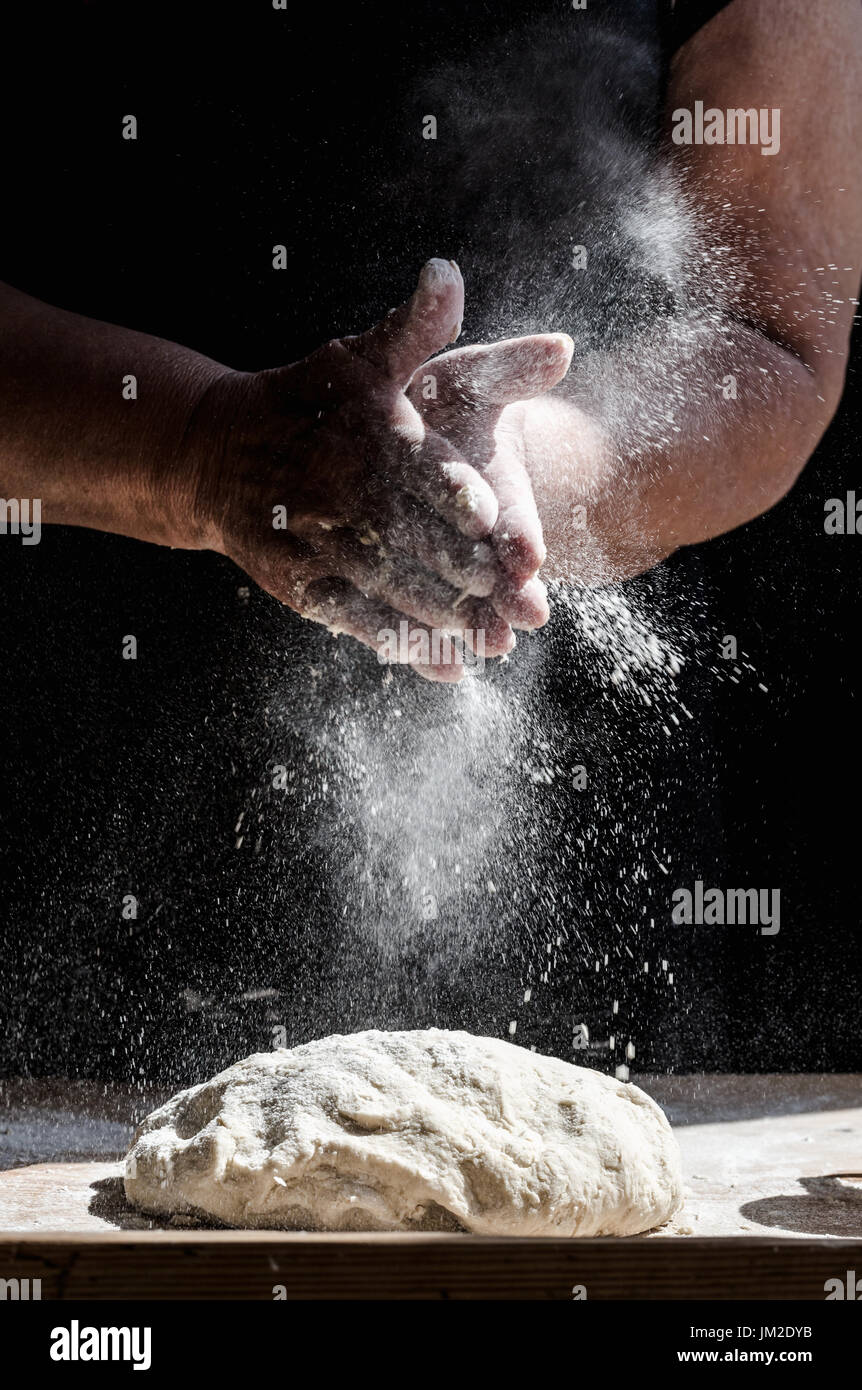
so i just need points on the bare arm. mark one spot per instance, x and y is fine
(319, 478)
(647, 440)
(71, 435)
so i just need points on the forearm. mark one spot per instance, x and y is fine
(97, 450)
(681, 437)
(667, 443)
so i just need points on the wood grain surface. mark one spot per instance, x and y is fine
(767, 1214)
(238, 1265)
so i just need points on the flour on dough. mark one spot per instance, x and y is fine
(410, 1131)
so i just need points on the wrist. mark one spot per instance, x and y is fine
(183, 449)
(132, 469)
(197, 494)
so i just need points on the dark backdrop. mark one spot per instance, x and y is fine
(128, 777)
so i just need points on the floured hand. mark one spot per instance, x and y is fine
(326, 484)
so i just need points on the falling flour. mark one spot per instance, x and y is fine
(509, 828)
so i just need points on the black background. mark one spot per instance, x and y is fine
(255, 128)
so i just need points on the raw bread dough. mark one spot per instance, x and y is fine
(410, 1131)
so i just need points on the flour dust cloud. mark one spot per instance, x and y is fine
(497, 854)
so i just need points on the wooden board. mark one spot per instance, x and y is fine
(766, 1217)
(266, 1265)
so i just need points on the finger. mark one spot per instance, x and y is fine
(434, 472)
(415, 593)
(410, 334)
(517, 536)
(411, 528)
(399, 524)
(288, 565)
(523, 609)
(515, 369)
(342, 608)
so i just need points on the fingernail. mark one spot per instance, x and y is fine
(467, 499)
(431, 272)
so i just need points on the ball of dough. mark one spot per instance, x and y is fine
(414, 1131)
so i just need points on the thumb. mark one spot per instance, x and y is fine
(410, 334)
